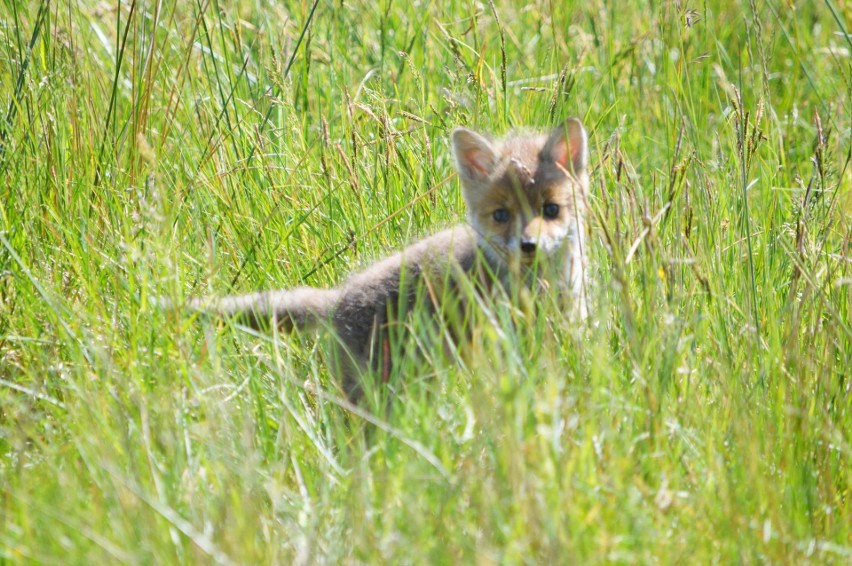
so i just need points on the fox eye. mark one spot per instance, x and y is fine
(551, 210)
(501, 216)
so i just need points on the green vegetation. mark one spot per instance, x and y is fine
(183, 149)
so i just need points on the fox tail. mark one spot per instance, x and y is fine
(302, 307)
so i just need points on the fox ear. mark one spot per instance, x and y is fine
(567, 146)
(475, 156)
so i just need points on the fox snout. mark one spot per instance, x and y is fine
(528, 246)
(530, 236)
(535, 233)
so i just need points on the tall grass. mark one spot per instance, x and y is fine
(183, 149)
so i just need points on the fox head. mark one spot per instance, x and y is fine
(525, 194)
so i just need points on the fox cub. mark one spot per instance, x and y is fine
(525, 196)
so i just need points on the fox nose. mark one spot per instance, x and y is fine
(528, 246)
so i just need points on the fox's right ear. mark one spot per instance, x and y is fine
(568, 146)
(475, 156)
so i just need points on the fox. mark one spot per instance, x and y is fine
(526, 200)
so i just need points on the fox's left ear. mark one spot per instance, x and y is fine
(568, 146)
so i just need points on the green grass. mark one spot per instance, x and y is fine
(151, 150)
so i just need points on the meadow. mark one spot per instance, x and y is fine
(169, 149)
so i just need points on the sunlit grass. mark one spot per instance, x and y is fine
(151, 150)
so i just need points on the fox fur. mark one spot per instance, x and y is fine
(525, 196)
